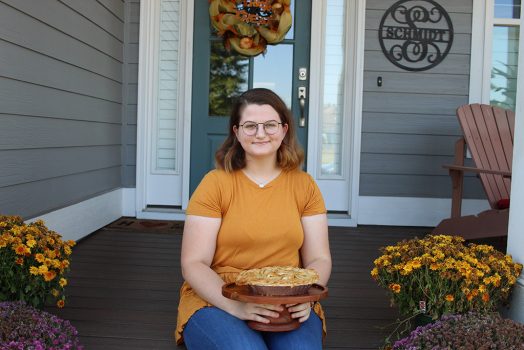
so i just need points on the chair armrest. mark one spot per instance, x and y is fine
(477, 170)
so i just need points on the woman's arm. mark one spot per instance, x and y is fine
(315, 251)
(315, 255)
(198, 249)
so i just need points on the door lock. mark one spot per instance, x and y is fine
(302, 73)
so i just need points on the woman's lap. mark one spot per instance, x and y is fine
(212, 328)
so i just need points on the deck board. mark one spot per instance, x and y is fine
(123, 288)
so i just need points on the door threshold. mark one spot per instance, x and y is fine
(341, 219)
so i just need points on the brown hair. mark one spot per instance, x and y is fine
(231, 156)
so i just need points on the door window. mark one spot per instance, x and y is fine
(504, 53)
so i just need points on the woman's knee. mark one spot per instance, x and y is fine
(212, 328)
(307, 337)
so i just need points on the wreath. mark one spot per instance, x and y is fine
(248, 26)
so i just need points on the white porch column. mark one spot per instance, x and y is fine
(516, 217)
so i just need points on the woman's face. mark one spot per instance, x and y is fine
(255, 139)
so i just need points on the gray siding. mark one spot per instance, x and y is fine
(409, 125)
(61, 73)
(132, 10)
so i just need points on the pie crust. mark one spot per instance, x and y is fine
(278, 280)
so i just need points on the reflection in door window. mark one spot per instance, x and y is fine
(504, 66)
(505, 53)
(507, 8)
(333, 99)
(228, 78)
(274, 71)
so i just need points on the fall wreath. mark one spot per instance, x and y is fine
(248, 26)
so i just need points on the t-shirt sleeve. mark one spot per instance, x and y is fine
(314, 202)
(207, 198)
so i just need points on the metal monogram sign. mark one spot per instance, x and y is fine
(416, 35)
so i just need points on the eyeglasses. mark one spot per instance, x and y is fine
(251, 128)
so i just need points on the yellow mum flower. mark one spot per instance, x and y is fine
(374, 272)
(31, 243)
(64, 264)
(67, 250)
(33, 270)
(40, 257)
(55, 292)
(42, 269)
(60, 303)
(62, 282)
(416, 264)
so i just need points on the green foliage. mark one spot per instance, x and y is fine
(33, 262)
(228, 79)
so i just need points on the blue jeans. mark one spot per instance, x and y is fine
(211, 328)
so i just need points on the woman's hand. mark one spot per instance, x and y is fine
(256, 312)
(300, 311)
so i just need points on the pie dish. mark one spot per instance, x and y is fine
(278, 280)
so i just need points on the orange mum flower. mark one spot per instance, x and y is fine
(485, 297)
(450, 298)
(49, 275)
(395, 287)
(20, 249)
(19, 261)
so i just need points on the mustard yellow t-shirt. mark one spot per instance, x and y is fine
(260, 226)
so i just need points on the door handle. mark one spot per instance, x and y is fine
(302, 105)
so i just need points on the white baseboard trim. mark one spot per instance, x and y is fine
(411, 211)
(128, 201)
(341, 220)
(81, 219)
(178, 215)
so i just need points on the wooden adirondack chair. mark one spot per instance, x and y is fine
(488, 133)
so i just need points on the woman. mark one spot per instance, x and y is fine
(256, 209)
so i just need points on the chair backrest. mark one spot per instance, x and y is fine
(488, 132)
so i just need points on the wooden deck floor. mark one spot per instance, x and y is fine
(123, 288)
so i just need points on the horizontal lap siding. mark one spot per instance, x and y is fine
(61, 74)
(409, 126)
(132, 8)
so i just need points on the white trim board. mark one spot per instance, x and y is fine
(410, 211)
(81, 219)
(394, 211)
(516, 219)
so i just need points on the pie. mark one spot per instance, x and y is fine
(278, 280)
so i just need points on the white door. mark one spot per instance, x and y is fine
(161, 96)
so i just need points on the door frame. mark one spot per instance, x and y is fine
(353, 94)
(147, 97)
